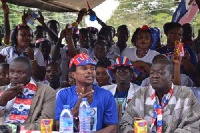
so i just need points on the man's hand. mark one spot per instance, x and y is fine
(24, 16)
(10, 93)
(40, 18)
(81, 13)
(91, 12)
(88, 95)
(177, 60)
(68, 33)
(30, 53)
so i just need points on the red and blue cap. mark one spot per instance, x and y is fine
(122, 61)
(82, 60)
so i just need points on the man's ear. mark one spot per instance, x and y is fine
(74, 75)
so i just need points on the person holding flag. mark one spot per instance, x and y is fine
(186, 11)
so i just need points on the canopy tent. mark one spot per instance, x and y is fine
(57, 5)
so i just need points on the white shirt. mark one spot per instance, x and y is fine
(113, 88)
(131, 54)
(115, 51)
(10, 54)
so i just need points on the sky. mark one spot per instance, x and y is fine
(103, 11)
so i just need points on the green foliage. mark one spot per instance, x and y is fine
(16, 13)
(154, 13)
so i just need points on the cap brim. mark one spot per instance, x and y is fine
(113, 67)
(87, 62)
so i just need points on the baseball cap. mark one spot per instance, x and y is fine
(82, 60)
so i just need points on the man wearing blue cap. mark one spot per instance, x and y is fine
(83, 71)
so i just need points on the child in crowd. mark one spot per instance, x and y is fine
(102, 76)
(141, 56)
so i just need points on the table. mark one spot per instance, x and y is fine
(29, 131)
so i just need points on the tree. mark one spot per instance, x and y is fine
(16, 13)
(154, 13)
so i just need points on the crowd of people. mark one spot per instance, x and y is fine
(39, 74)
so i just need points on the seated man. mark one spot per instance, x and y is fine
(23, 101)
(123, 90)
(167, 108)
(83, 71)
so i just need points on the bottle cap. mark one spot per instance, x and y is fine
(84, 99)
(66, 106)
(92, 17)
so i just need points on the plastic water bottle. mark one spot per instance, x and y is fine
(32, 16)
(66, 120)
(84, 116)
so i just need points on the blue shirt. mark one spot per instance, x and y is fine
(103, 100)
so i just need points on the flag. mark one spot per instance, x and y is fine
(185, 12)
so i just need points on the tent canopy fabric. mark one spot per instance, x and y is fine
(57, 5)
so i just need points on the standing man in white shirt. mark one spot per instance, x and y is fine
(123, 34)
